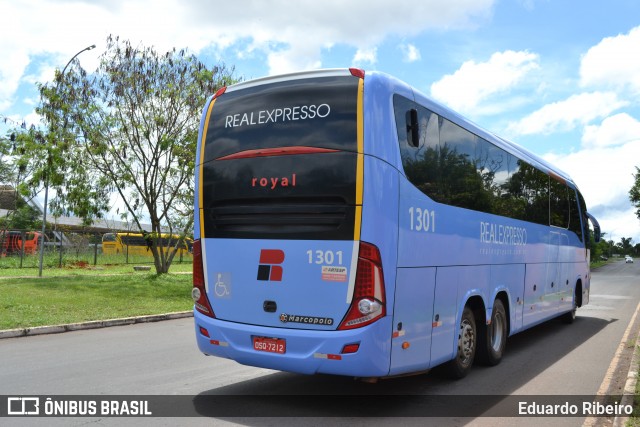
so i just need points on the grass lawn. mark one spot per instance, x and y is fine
(85, 295)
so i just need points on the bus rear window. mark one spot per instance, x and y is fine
(316, 112)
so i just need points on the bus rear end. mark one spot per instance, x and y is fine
(281, 277)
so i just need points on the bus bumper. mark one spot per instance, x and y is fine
(307, 351)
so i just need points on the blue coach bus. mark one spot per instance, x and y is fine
(347, 224)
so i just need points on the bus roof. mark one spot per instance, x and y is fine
(328, 72)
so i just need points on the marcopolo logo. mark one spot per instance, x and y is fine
(307, 320)
(269, 268)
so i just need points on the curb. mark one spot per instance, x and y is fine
(630, 385)
(56, 329)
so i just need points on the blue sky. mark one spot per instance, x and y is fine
(559, 77)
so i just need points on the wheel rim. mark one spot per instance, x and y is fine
(497, 332)
(466, 342)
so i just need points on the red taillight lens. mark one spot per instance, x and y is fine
(350, 349)
(199, 292)
(368, 303)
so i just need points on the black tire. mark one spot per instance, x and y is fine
(467, 343)
(492, 342)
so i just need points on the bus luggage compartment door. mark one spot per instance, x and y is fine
(412, 320)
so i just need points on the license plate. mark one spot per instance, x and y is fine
(270, 345)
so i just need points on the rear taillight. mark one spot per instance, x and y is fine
(357, 72)
(368, 303)
(199, 293)
(219, 92)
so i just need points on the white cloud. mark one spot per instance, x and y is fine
(317, 25)
(291, 35)
(614, 62)
(365, 56)
(566, 115)
(614, 130)
(12, 66)
(474, 82)
(618, 223)
(410, 52)
(298, 57)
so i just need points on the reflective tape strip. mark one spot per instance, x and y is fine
(327, 356)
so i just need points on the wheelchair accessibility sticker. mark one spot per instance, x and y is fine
(222, 287)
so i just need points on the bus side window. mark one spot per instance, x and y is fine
(574, 214)
(417, 157)
(558, 204)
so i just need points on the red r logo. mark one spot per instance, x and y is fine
(269, 268)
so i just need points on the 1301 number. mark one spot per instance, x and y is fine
(422, 220)
(324, 257)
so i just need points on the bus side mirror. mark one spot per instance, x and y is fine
(596, 227)
(413, 128)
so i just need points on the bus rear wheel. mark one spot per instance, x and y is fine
(467, 342)
(492, 343)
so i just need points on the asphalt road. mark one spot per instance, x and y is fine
(162, 359)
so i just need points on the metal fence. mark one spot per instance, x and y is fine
(21, 249)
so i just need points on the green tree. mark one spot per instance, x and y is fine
(129, 128)
(14, 171)
(625, 245)
(634, 193)
(6, 172)
(602, 249)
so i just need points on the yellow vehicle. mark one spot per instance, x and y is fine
(136, 244)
